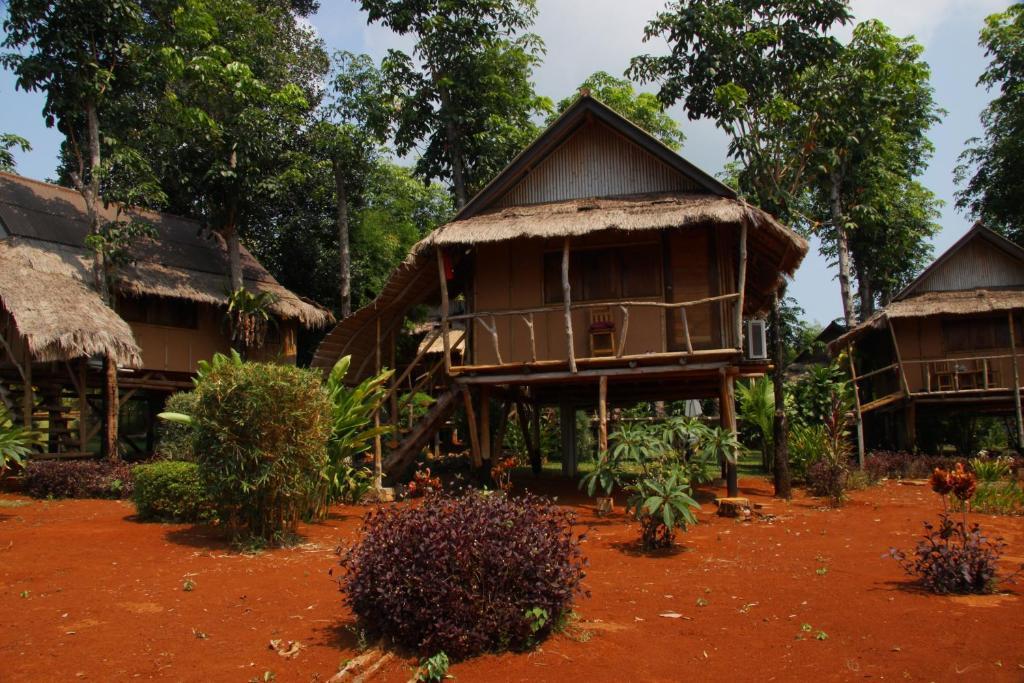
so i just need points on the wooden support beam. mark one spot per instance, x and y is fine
(625, 329)
(392, 358)
(444, 311)
(899, 358)
(528, 319)
(602, 415)
(741, 284)
(492, 327)
(111, 409)
(529, 425)
(567, 302)
(485, 424)
(507, 408)
(27, 399)
(378, 447)
(567, 420)
(536, 461)
(727, 419)
(1016, 383)
(474, 437)
(856, 407)
(686, 330)
(83, 405)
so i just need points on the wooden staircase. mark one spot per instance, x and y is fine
(403, 455)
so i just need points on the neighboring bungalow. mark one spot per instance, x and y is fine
(169, 313)
(599, 267)
(947, 344)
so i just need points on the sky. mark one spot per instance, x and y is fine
(583, 36)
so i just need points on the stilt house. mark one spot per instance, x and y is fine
(168, 314)
(599, 267)
(947, 344)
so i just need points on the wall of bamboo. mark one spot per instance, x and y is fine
(978, 264)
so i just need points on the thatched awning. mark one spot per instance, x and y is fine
(968, 302)
(59, 315)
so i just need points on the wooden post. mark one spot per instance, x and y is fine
(444, 312)
(83, 405)
(899, 359)
(474, 438)
(602, 415)
(27, 398)
(526, 417)
(686, 329)
(485, 424)
(111, 409)
(741, 284)
(536, 458)
(625, 329)
(528, 319)
(392, 353)
(856, 407)
(378, 451)
(1016, 382)
(507, 408)
(727, 418)
(567, 301)
(567, 420)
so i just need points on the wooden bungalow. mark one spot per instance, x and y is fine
(168, 314)
(948, 343)
(598, 267)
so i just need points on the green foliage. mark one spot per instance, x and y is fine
(720, 445)
(171, 491)
(9, 141)
(998, 491)
(249, 317)
(643, 109)
(176, 440)
(606, 474)
(464, 98)
(756, 400)
(15, 444)
(261, 445)
(433, 669)
(807, 443)
(828, 476)
(814, 391)
(991, 170)
(662, 502)
(352, 434)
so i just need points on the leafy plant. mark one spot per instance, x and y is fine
(721, 445)
(171, 491)
(459, 575)
(261, 445)
(827, 477)
(662, 503)
(77, 479)
(433, 669)
(15, 445)
(807, 444)
(249, 317)
(606, 474)
(757, 408)
(176, 438)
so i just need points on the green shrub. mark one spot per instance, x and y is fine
(807, 443)
(171, 491)
(261, 445)
(177, 440)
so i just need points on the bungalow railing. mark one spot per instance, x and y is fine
(487, 320)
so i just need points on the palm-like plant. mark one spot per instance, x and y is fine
(249, 317)
(15, 445)
(757, 408)
(607, 473)
(662, 505)
(721, 445)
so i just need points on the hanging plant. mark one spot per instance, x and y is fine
(249, 317)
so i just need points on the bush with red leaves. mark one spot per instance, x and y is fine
(78, 479)
(467, 575)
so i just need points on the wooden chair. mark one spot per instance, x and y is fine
(602, 333)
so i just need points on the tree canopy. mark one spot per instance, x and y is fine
(643, 109)
(991, 170)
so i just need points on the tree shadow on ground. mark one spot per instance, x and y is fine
(340, 635)
(634, 549)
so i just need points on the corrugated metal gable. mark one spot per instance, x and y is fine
(978, 264)
(596, 161)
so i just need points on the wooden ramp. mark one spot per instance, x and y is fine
(399, 459)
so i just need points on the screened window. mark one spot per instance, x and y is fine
(604, 274)
(966, 334)
(156, 311)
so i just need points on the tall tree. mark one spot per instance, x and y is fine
(355, 123)
(466, 101)
(642, 108)
(991, 170)
(876, 104)
(8, 142)
(742, 63)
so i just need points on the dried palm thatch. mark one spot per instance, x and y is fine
(56, 312)
(965, 302)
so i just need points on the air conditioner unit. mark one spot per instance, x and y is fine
(755, 340)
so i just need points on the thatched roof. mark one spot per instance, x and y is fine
(57, 313)
(968, 302)
(42, 231)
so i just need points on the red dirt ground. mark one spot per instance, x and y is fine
(86, 593)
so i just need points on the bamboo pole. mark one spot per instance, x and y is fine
(741, 284)
(856, 406)
(528, 319)
(378, 468)
(727, 418)
(485, 424)
(600, 304)
(27, 398)
(392, 353)
(567, 302)
(83, 406)
(686, 330)
(625, 329)
(602, 414)
(1016, 383)
(474, 438)
(899, 358)
(444, 311)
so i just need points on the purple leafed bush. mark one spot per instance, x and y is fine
(953, 558)
(78, 479)
(902, 465)
(466, 575)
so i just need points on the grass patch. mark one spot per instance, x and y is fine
(14, 503)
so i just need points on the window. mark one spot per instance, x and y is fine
(156, 311)
(966, 334)
(603, 274)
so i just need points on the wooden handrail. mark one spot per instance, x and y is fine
(879, 371)
(600, 304)
(922, 361)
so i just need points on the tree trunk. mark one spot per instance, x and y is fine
(111, 410)
(454, 149)
(229, 231)
(843, 250)
(866, 295)
(344, 255)
(783, 482)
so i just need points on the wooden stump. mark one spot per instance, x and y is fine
(733, 507)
